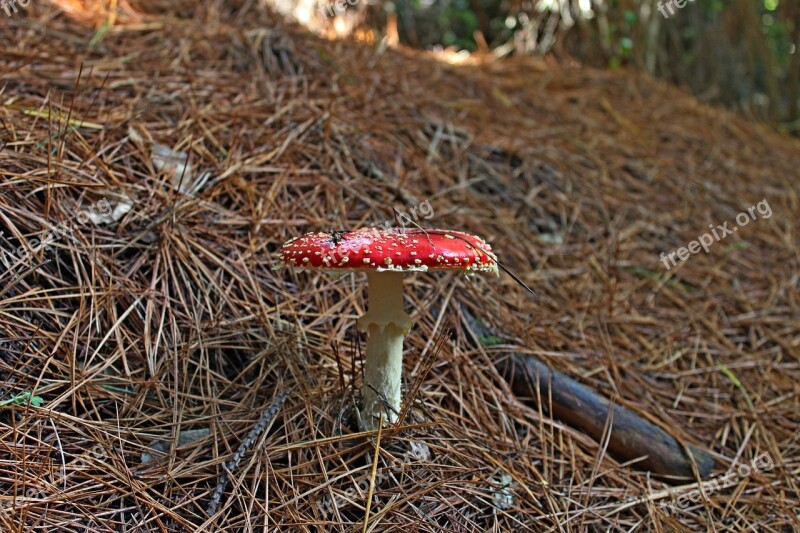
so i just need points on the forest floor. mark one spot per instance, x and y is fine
(145, 326)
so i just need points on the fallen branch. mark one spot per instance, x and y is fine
(631, 436)
(231, 466)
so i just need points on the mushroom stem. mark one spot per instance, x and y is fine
(387, 325)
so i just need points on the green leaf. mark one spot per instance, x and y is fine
(630, 17)
(490, 340)
(22, 399)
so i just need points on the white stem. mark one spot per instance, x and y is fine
(387, 325)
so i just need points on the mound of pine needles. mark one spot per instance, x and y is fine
(150, 168)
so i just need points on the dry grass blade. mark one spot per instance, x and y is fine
(368, 505)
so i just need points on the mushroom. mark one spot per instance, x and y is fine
(386, 255)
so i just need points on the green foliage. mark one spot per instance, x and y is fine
(490, 340)
(458, 15)
(23, 399)
(705, 44)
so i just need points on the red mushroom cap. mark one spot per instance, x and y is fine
(390, 250)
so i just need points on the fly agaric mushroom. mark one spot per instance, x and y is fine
(386, 255)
